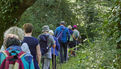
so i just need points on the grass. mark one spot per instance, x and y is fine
(73, 63)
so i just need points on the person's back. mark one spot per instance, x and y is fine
(50, 41)
(63, 36)
(12, 31)
(26, 58)
(32, 43)
(54, 51)
(46, 57)
(75, 33)
(63, 33)
(14, 57)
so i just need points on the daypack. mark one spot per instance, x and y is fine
(43, 39)
(59, 35)
(12, 61)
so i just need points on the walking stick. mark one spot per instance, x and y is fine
(54, 58)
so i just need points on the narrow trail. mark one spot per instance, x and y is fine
(71, 64)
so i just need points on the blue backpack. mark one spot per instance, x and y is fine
(59, 35)
(43, 39)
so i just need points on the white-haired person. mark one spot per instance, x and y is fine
(54, 51)
(18, 33)
(13, 57)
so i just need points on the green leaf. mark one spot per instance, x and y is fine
(119, 39)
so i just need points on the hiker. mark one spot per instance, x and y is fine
(13, 57)
(63, 36)
(46, 41)
(55, 51)
(75, 36)
(70, 44)
(20, 33)
(32, 43)
(70, 29)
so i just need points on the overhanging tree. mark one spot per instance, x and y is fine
(10, 13)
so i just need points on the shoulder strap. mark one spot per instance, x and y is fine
(6, 53)
(19, 61)
(59, 34)
(5, 63)
(21, 54)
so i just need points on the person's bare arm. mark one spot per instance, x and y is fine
(38, 53)
(73, 37)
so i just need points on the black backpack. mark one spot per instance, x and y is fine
(43, 39)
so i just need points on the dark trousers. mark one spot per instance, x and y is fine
(53, 61)
(63, 52)
(35, 63)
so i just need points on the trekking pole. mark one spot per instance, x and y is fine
(54, 59)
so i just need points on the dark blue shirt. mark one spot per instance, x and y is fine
(32, 43)
(71, 32)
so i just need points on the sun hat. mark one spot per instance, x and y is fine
(45, 28)
(62, 22)
(75, 26)
(51, 32)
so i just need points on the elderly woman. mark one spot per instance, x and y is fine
(18, 33)
(54, 51)
(13, 55)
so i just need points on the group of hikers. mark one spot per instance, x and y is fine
(20, 50)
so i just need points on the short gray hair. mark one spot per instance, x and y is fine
(15, 30)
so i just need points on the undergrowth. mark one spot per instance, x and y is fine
(99, 54)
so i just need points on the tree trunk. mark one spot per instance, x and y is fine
(10, 13)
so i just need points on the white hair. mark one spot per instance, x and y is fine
(51, 32)
(15, 30)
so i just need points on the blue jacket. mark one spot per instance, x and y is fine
(57, 48)
(65, 36)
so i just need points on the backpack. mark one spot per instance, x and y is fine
(43, 39)
(59, 35)
(12, 61)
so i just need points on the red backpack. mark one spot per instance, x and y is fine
(12, 61)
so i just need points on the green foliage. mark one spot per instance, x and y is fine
(98, 20)
(46, 12)
(102, 53)
(8, 17)
(10, 13)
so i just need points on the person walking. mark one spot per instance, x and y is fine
(18, 32)
(75, 36)
(63, 36)
(32, 43)
(55, 51)
(13, 57)
(46, 41)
